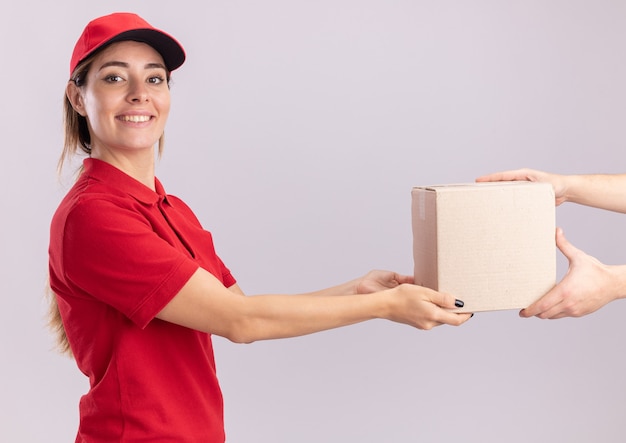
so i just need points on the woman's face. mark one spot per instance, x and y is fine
(126, 99)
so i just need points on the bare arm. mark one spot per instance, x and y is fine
(604, 191)
(206, 305)
(373, 281)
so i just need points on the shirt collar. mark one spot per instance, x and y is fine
(109, 174)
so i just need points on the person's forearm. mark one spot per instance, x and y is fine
(347, 288)
(281, 316)
(604, 191)
(619, 281)
(206, 305)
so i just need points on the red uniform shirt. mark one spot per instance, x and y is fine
(119, 252)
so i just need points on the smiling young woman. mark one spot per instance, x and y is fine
(126, 104)
(138, 288)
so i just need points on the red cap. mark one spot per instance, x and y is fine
(122, 26)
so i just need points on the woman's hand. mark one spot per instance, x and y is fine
(376, 280)
(413, 305)
(424, 308)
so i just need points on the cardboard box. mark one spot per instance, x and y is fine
(491, 245)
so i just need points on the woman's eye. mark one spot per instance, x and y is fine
(156, 80)
(113, 78)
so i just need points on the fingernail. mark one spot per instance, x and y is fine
(458, 303)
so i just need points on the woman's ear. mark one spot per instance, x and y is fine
(75, 96)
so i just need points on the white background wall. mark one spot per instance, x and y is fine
(297, 131)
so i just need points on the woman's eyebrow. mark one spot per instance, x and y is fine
(126, 65)
(155, 66)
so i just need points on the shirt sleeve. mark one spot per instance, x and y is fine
(111, 253)
(211, 261)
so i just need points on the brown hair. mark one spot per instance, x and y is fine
(55, 323)
(76, 137)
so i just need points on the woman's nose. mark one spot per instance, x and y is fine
(137, 92)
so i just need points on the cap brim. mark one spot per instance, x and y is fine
(172, 52)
